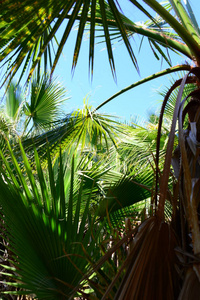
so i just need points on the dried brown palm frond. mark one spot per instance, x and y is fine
(191, 286)
(189, 192)
(152, 264)
(151, 271)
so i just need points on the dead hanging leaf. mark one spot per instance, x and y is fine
(191, 286)
(151, 267)
(176, 162)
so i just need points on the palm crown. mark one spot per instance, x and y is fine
(29, 40)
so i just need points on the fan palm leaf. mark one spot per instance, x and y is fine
(46, 235)
(45, 104)
(82, 128)
(151, 264)
(27, 39)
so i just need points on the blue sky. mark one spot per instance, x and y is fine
(140, 101)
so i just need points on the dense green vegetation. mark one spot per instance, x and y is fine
(92, 208)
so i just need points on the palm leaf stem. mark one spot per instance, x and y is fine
(186, 36)
(184, 18)
(146, 79)
(192, 16)
(177, 83)
(191, 205)
(167, 164)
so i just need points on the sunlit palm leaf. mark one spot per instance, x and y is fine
(180, 28)
(192, 15)
(28, 35)
(185, 19)
(79, 129)
(7, 131)
(12, 110)
(26, 39)
(48, 240)
(156, 25)
(13, 101)
(45, 105)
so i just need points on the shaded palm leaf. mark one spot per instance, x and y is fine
(126, 192)
(191, 287)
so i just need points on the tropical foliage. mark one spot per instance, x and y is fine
(92, 208)
(78, 184)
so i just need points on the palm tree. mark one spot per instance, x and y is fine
(27, 34)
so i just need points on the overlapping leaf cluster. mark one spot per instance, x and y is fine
(54, 234)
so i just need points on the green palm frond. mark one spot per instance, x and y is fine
(192, 15)
(28, 37)
(136, 152)
(184, 15)
(179, 27)
(7, 132)
(103, 171)
(155, 25)
(28, 32)
(82, 128)
(46, 235)
(13, 101)
(12, 109)
(45, 104)
(37, 112)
